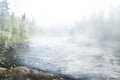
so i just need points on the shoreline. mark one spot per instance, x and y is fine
(24, 73)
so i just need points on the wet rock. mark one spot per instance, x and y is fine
(23, 73)
(19, 45)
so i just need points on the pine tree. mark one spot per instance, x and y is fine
(4, 15)
(5, 33)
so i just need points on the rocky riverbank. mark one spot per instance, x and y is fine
(19, 45)
(24, 73)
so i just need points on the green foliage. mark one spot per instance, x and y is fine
(13, 29)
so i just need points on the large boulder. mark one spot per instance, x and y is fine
(23, 73)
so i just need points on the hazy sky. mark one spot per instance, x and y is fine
(55, 12)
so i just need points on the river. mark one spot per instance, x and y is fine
(84, 59)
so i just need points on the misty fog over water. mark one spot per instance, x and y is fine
(83, 54)
(85, 49)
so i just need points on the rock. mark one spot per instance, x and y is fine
(23, 73)
(19, 45)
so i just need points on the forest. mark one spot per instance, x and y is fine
(14, 29)
(102, 26)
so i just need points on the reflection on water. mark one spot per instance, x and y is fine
(90, 59)
(11, 57)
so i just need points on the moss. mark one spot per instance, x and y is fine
(2, 69)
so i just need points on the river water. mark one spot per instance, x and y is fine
(84, 59)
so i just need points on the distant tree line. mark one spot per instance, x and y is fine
(100, 26)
